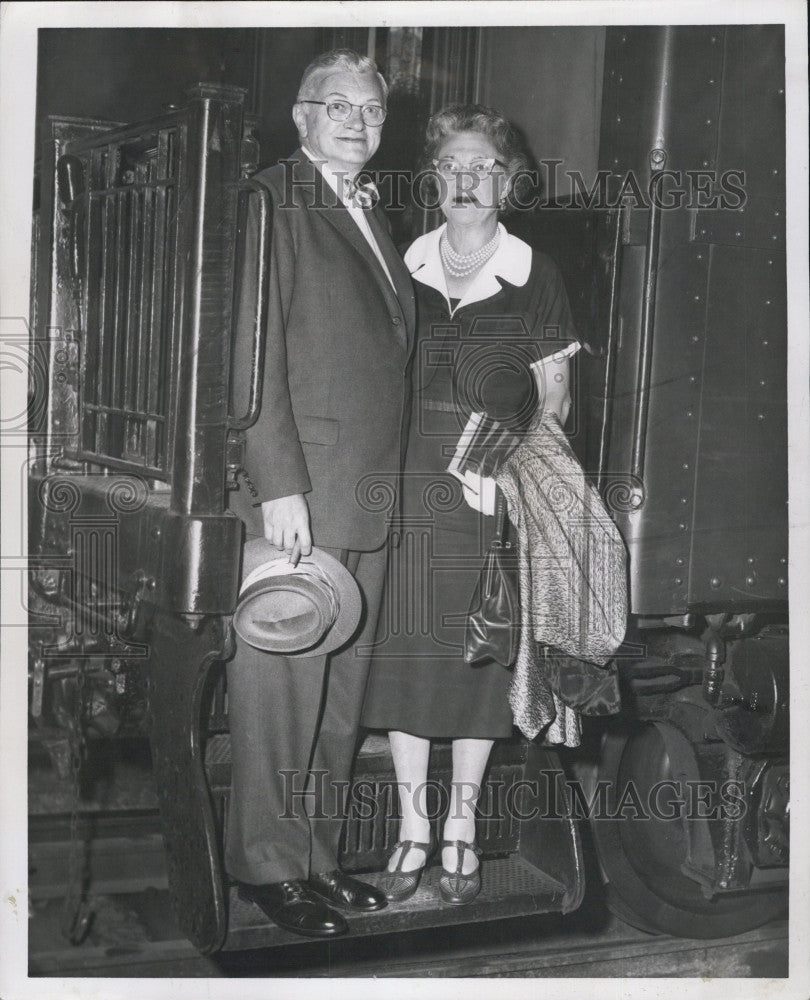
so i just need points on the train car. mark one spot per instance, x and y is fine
(675, 252)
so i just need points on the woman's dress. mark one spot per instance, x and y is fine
(472, 356)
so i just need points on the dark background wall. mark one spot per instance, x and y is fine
(128, 74)
(548, 80)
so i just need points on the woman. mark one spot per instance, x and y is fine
(495, 333)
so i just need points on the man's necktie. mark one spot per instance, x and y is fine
(363, 195)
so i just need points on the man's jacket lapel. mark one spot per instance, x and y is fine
(396, 266)
(319, 197)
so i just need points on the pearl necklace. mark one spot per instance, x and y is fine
(461, 265)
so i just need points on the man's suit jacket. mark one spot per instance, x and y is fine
(336, 383)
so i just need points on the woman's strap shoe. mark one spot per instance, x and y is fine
(455, 887)
(399, 885)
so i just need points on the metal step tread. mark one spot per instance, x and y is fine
(509, 887)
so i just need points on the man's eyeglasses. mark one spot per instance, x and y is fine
(481, 167)
(340, 111)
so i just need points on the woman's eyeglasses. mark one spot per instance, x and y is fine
(340, 111)
(480, 167)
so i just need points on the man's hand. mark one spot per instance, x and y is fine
(479, 492)
(286, 525)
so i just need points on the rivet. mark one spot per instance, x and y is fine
(714, 39)
(679, 561)
(685, 466)
(705, 163)
(697, 298)
(156, 532)
(708, 121)
(762, 382)
(783, 560)
(767, 302)
(750, 580)
(738, 234)
(776, 214)
(695, 337)
(782, 581)
(678, 581)
(715, 582)
(711, 79)
(618, 118)
(682, 526)
(693, 378)
(684, 500)
(770, 262)
(700, 256)
(689, 414)
(751, 560)
(775, 171)
(775, 236)
(780, 91)
(621, 78)
(764, 343)
(760, 416)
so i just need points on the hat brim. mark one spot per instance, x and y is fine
(259, 551)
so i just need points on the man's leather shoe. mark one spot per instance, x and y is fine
(292, 907)
(343, 890)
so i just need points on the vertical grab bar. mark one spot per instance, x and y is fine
(611, 349)
(658, 158)
(657, 162)
(260, 314)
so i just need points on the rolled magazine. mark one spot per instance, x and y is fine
(483, 446)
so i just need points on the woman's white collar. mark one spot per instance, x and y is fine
(512, 261)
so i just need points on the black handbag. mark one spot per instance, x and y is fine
(493, 621)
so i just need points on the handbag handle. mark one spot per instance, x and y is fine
(501, 520)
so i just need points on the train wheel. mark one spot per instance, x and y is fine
(641, 859)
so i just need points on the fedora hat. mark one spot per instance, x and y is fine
(303, 610)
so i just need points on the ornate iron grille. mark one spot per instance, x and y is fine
(121, 192)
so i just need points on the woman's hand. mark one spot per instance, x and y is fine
(552, 376)
(479, 492)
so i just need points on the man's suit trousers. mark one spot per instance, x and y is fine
(291, 718)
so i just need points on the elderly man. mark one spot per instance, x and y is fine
(338, 337)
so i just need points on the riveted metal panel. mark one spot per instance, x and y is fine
(752, 127)
(658, 533)
(751, 141)
(640, 89)
(704, 422)
(759, 223)
(739, 542)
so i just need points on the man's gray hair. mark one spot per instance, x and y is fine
(346, 59)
